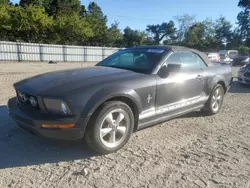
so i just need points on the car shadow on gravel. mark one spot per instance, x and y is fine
(239, 88)
(20, 148)
(192, 115)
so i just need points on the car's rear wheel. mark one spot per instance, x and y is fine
(110, 127)
(215, 101)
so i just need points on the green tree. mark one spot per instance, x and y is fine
(30, 24)
(5, 26)
(83, 11)
(98, 23)
(133, 37)
(25, 3)
(172, 40)
(244, 24)
(244, 21)
(236, 40)
(244, 49)
(184, 22)
(128, 37)
(194, 37)
(148, 40)
(4, 2)
(46, 5)
(223, 30)
(114, 35)
(244, 4)
(72, 30)
(210, 41)
(56, 7)
(159, 32)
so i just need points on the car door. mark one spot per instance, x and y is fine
(187, 84)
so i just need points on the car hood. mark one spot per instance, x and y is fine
(241, 57)
(60, 82)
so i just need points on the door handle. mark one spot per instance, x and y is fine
(199, 77)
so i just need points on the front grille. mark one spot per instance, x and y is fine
(247, 74)
(27, 101)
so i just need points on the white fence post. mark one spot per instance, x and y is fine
(103, 53)
(19, 57)
(85, 54)
(41, 52)
(64, 54)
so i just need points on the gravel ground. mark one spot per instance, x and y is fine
(190, 151)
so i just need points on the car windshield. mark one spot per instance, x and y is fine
(137, 60)
(233, 52)
(243, 54)
(222, 55)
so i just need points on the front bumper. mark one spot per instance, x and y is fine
(241, 63)
(242, 79)
(32, 123)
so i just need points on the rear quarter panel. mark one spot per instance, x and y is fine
(215, 74)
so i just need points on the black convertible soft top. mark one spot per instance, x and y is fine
(180, 48)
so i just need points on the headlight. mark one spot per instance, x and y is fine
(243, 69)
(56, 106)
(246, 60)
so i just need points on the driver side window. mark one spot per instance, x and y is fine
(187, 60)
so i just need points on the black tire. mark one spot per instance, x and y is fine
(208, 108)
(92, 134)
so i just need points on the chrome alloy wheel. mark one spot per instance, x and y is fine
(114, 128)
(217, 99)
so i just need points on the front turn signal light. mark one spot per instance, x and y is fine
(53, 126)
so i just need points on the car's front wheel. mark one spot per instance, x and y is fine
(110, 127)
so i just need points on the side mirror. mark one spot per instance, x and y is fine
(174, 67)
(165, 70)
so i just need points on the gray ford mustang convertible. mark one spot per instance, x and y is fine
(129, 90)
